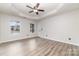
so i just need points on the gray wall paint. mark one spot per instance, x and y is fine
(5, 33)
(58, 28)
(61, 27)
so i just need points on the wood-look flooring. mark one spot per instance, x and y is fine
(38, 47)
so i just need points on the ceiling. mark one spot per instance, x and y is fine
(20, 9)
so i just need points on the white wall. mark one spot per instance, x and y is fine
(0, 30)
(58, 28)
(5, 33)
(61, 27)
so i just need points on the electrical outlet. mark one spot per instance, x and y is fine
(41, 29)
(46, 35)
(69, 38)
(27, 34)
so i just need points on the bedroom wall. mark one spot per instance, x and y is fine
(0, 29)
(5, 32)
(61, 27)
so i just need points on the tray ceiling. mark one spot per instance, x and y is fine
(20, 9)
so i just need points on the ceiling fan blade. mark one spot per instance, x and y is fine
(37, 5)
(30, 11)
(37, 13)
(41, 10)
(29, 6)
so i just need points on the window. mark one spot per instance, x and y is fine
(15, 26)
(32, 28)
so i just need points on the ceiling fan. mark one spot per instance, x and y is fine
(35, 9)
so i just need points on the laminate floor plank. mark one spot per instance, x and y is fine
(38, 47)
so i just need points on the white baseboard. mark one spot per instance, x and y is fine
(37, 37)
(59, 41)
(1, 42)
